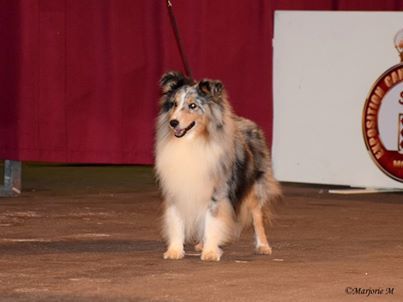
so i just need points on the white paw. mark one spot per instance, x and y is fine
(174, 254)
(211, 255)
(263, 250)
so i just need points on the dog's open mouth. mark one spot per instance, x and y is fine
(179, 132)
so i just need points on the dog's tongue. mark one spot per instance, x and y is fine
(179, 132)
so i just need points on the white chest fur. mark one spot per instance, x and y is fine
(187, 172)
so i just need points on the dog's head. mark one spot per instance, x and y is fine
(191, 106)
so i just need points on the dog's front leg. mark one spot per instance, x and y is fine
(211, 250)
(175, 233)
(216, 229)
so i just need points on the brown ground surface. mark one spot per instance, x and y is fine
(92, 234)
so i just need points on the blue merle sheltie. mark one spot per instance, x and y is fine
(213, 168)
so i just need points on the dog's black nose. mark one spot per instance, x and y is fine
(174, 123)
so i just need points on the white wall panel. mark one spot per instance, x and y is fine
(324, 66)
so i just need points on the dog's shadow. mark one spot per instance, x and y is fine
(80, 246)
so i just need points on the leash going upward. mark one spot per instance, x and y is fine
(178, 39)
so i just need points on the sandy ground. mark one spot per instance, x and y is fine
(82, 233)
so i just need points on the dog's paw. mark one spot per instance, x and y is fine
(211, 255)
(198, 247)
(174, 254)
(263, 250)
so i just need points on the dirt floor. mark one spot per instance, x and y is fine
(82, 233)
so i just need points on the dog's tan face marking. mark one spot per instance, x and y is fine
(187, 113)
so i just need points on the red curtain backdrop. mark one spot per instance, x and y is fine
(79, 78)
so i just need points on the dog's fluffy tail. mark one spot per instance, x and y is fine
(263, 196)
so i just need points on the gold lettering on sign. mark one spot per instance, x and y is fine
(371, 122)
(398, 163)
(394, 77)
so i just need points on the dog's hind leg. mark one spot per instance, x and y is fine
(199, 246)
(266, 192)
(252, 213)
(262, 244)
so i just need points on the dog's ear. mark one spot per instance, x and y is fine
(173, 80)
(211, 88)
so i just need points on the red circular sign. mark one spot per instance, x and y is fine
(382, 122)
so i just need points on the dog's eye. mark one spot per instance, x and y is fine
(192, 106)
(168, 105)
(172, 104)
